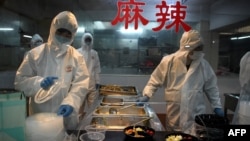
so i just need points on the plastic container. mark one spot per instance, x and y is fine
(45, 95)
(92, 136)
(12, 115)
(44, 127)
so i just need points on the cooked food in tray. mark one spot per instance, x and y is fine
(140, 133)
(119, 122)
(179, 136)
(116, 89)
(133, 111)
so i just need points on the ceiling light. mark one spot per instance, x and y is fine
(239, 38)
(81, 29)
(27, 36)
(99, 25)
(233, 38)
(243, 37)
(6, 29)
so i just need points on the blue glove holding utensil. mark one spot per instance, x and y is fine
(47, 82)
(141, 100)
(219, 112)
(65, 110)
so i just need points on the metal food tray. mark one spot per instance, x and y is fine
(119, 122)
(117, 90)
(129, 111)
(108, 100)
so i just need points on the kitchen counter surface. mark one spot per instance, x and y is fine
(120, 136)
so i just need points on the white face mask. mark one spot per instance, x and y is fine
(196, 55)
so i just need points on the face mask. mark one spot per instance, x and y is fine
(196, 55)
(88, 43)
(62, 40)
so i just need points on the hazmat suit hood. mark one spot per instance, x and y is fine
(65, 20)
(87, 41)
(36, 40)
(189, 41)
(244, 71)
(241, 114)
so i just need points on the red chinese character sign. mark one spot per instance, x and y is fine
(129, 7)
(176, 13)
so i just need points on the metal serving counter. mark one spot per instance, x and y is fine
(118, 122)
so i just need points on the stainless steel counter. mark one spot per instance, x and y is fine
(154, 122)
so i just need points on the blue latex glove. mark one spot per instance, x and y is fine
(65, 110)
(219, 112)
(48, 82)
(141, 100)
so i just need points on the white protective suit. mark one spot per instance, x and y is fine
(55, 59)
(93, 64)
(36, 40)
(242, 113)
(185, 89)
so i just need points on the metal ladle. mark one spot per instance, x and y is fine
(115, 111)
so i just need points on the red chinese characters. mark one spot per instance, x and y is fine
(129, 7)
(175, 12)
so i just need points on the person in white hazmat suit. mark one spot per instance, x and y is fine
(36, 40)
(187, 79)
(242, 113)
(91, 58)
(54, 61)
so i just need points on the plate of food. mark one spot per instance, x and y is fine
(180, 136)
(139, 133)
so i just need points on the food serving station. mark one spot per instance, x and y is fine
(115, 108)
(122, 100)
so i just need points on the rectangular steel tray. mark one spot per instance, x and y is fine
(108, 100)
(129, 111)
(119, 122)
(117, 90)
